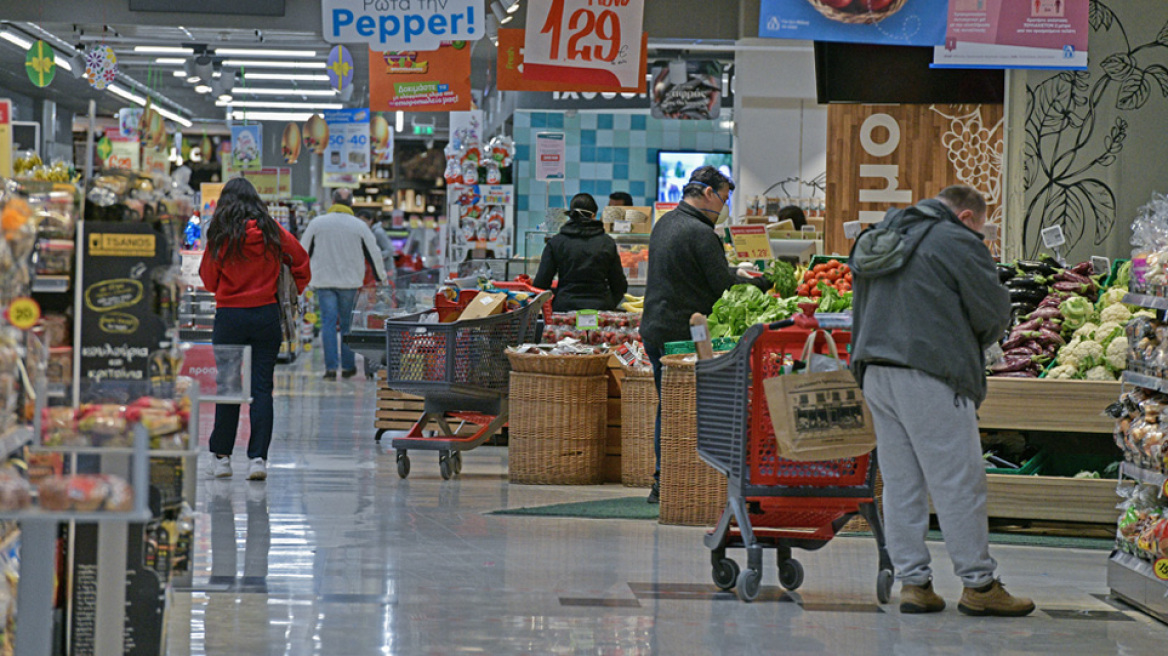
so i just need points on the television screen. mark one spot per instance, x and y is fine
(865, 73)
(674, 169)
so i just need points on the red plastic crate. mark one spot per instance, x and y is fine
(449, 310)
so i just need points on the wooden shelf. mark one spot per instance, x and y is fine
(1057, 406)
(1052, 498)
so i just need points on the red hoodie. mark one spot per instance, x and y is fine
(251, 281)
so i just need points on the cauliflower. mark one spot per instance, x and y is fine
(1111, 297)
(1106, 330)
(1149, 314)
(1069, 354)
(1115, 313)
(1099, 373)
(1117, 353)
(1087, 331)
(1062, 372)
(1087, 352)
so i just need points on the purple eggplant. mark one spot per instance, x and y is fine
(1046, 312)
(1082, 268)
(1013, 363)
(1015, 340)
(1016, 374)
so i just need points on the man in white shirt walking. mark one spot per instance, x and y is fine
(339, 244)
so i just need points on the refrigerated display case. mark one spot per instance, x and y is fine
(633, 250)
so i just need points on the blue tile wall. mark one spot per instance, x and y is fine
(606, 153)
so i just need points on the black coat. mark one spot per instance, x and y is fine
(588, 265)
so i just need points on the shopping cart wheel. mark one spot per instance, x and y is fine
(403, 464)
(456, 458)
(726, 573)
(790, 574)
(884, 586)
(749, 581)
(445, 465)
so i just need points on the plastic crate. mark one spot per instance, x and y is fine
(449, 310)
(824, 259)
(1031, 467)
(1115, 264)
(682, 348)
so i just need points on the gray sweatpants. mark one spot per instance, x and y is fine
(928, 444)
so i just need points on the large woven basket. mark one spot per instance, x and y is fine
(692, 492)
(859, 524)
(638, 423)
(558, 428)
(854, 17)
(559, 365)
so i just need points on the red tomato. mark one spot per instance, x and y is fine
(833, 276)
(874, 5)
(833, 263)
(802, 291)
(837, 4)
(809, 276)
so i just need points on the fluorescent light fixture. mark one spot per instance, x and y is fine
(132, 97)
(15, 39)
(498, 11)
(170, 61)
(204, 66)
(166, 113)
(225, 98)
(202, 88)
(260, 52)
(274, 64)
(179, 74)
(299, 77)
(272, 116)
(257, 91)
(268, 104)
(514, 7)
(164, 50)
(400, 121)
(63, 63)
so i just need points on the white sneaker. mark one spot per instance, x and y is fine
(257, 470)
(222, 467)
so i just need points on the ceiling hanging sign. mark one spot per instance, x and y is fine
(386, 25)
(340, 68)
(550, 156)
(380, 139)
(290, 143)
(598, 41)
(101, 66)
(316, 134)
(413, 81)
(128, 119)
(246, 147)
(347, 150)
(41, 64)
(687, 90)
(1001, 34)
(511, 66)
(889, 22)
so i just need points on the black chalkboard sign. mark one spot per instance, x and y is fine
(121, 330)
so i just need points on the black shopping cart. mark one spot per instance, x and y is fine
(775, 503)
(461, 371)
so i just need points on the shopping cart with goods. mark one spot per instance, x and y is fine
(773, 502)
(461, 371)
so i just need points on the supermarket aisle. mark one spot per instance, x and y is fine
(336, 555)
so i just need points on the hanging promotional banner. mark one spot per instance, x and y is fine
(290, 143)
(5, 138)
(401, 24)
(101, 66)
(380, 140)
(154, 160)
(340, 68)
(511, 67)
(687, 90)
(467, 127)
(41, 64)
(599, 42)
(209, 193)
(435, 81)
(347, 150)
(128, 121)
(889, 22)
(247, 146)
(316, 134)
(550, 156)
(122, 152)
(1028, 34)
(271, 183)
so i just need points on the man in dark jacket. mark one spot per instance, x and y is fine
(927, 304)
(688, 272)
(586, 261)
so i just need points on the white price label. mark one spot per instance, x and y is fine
(587, 320)
(1053, 237)
(593, 34)
(991, 231)
(808, 228)
(699, 333)
(1100, 265)
(852, 229)
(622, 227)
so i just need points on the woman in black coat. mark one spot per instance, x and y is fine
(586, 260)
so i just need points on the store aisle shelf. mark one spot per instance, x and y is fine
(1147, 300)
(1142, 475)
(1133, 581)
(1146, 381)
(1025, 404)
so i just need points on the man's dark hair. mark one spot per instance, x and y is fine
(366, 216)
(795, 214)
(343, 197)
(963, 197)
(624, 197)
(706, 176)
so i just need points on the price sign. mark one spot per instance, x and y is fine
(1053, 237)
(551, 156)
(347, 150)
(699, 333)
(751, 242)
(587, 320)
(598, 35)
(1161, 569)
(1100, 265)
(24, 313)
(852, 229)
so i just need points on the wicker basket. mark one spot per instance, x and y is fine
(859, 524)
(558, 429)
(692, 492)
(852, 17)
(559, 365)
(638, 423)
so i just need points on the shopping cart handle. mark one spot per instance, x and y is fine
(785, 323)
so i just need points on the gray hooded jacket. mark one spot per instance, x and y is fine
(927, 296)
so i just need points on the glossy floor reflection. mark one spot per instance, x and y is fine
(336, 555)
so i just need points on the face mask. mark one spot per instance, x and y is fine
(723, 215)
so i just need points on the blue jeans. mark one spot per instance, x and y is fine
(260, 328)
(337, 304)
(655, 354)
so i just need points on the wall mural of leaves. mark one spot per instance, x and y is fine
(1073, 136)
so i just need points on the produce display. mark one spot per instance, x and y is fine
(613, 328)
(831, 279)
(634, 304)
(742, 306)
(110, 425)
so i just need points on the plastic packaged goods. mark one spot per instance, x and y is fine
(85, 493)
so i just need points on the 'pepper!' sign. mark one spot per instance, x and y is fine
(402, 24)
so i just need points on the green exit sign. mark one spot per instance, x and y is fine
(424, 129)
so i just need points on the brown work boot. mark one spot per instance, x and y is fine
(920, 599)
(993, 600)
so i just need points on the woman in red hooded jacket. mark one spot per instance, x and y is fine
(245, 248)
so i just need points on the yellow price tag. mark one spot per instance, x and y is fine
(1161, 569)
(751, 242)
(24, 313)
(310, 317)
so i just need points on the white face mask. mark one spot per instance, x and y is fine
(724, 215)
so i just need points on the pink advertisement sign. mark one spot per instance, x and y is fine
(1015, 34)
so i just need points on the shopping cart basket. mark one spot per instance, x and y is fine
(774, 502)
(461, 371)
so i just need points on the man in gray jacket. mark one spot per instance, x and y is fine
(927, 304)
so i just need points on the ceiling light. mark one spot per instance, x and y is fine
(170, 61)
(498, 11)
(132, 97)
(225, 98)
(274, 64)
(204, 67)
(260, 52)
(179, 74)
(202, 88)
(272, 116)
(63, 63)
(299, 77)
(514, 7)
(492, 27)
(166, 113)
(256, 91)
(15, 39)
(400, 121)
(269, 104)
(164, 50)
(189, 71)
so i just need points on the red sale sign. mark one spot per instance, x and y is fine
(599, 38)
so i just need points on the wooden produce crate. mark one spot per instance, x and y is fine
(399, 412)
(1058, 406)
(612, 442)
(1052, 498)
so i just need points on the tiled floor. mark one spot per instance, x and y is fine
(336, 555)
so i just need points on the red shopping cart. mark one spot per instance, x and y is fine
(773, 502)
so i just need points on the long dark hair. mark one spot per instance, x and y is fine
(239, 203)
(582, 208)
